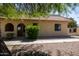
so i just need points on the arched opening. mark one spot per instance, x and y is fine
(21, 29)
(9, 27)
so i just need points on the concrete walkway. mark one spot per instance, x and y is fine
(52, 40)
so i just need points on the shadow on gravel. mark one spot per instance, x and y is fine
(4, 51)
(55, 37)
(24, 39)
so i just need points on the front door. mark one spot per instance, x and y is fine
(21, 30)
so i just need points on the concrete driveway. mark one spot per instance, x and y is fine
(43, 40)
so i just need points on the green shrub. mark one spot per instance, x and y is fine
(9, 35)
(32, 31)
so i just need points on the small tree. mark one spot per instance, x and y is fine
(32, 31)
(72, 24)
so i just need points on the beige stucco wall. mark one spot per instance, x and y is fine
(15, 23)
(77, 31)
(46, 27)
(74, 33)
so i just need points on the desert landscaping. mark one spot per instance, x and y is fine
(54, 47)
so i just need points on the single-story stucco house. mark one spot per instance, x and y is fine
(49, 26)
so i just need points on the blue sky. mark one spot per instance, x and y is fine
(75, 14)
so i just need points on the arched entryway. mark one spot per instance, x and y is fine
(9, 27)
(21, 30)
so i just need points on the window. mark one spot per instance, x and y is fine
(9, 27)
(57, 27)
(35, 24)
(74, 30)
